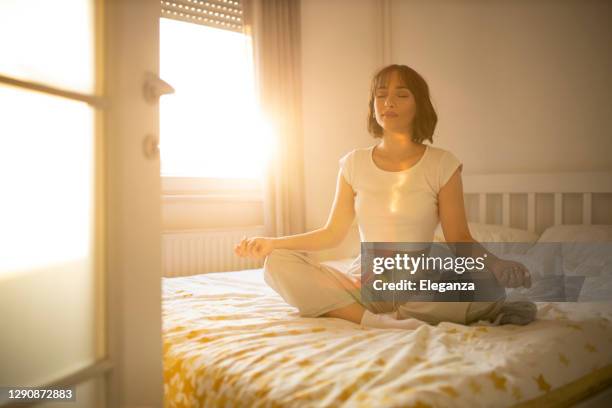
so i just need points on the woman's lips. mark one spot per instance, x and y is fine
(390, 115)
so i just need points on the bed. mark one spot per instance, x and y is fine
(229, 340)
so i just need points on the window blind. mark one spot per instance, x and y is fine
(224, 14)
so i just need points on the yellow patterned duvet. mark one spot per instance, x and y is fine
(229, 340)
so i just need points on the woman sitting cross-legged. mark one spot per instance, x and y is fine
(399, 190)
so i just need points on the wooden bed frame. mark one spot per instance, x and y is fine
(537, 201)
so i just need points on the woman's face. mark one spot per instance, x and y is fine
(394, 105)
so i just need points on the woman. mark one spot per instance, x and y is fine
(399, 190)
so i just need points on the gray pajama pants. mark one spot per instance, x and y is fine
(315, 288)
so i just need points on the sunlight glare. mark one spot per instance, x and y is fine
(46, 177)
(50, 42)
(211, 126)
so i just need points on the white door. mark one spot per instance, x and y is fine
(80, 253)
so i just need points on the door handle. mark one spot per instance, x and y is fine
(150, 146)
(154, 87)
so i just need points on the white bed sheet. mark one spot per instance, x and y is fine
(229, 340)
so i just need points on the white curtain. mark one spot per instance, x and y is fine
(274, 26)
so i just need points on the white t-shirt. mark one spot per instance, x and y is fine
(398, 206)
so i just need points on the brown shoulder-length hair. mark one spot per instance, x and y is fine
(425, 118)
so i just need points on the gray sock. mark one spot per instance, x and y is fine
(520, 313)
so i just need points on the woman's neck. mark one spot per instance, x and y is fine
(398, 145)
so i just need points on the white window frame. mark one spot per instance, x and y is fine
(212, 189)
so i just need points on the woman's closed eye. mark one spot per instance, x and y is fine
(400, 96)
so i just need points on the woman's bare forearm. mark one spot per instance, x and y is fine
(316, 240)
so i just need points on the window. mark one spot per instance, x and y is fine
(211, 126)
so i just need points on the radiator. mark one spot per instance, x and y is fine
(202, 251)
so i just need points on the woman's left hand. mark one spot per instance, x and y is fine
(511, 274)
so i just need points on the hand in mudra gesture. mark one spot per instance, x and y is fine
(254, 248)
(511, 274)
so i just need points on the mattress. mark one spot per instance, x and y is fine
(229, 340)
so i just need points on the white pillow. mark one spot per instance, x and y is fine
(577, 233)
(596, 289)
(514, 240)
(492, 233)
(585, 249)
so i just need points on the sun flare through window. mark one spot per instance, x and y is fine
(211, 127)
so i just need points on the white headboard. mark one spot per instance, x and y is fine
(537, 201)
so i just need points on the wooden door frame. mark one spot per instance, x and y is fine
(133, 213)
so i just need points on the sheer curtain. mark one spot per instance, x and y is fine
(274, 26)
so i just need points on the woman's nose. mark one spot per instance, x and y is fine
(388, 101)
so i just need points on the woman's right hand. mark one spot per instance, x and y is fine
(254, 248)
(511, 274)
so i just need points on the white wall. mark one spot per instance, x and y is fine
(518, 86)
(340, 52)
(194, 213)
